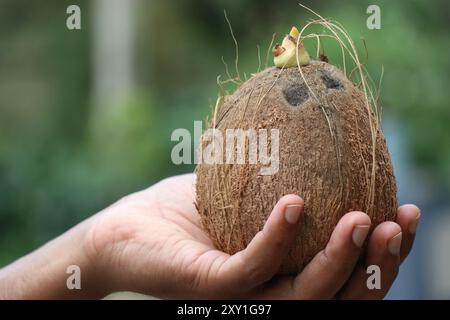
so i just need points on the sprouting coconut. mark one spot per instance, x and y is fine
(332, 152)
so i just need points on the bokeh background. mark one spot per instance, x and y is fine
(86, 116)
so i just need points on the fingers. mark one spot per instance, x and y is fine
(408, 217)
(383, 255)
(330, 268)
(378, 254)
(263, 256)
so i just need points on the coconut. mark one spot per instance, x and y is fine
(332, 153)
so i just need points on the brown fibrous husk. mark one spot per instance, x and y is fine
(332, 153)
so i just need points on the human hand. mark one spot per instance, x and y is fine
(152, 242)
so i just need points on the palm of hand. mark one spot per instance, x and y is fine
(159, 229)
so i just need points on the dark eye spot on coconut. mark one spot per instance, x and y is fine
(330, 82)
(296, 94)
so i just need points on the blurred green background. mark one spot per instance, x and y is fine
(86, 115)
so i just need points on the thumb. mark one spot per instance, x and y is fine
(262, 258)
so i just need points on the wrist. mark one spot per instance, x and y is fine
(61, 269)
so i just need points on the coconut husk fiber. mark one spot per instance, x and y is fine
(332, 153)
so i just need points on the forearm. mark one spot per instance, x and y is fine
(43, 274)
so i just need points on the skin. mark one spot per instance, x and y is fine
(152, 242)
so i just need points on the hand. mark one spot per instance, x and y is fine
(152, 242)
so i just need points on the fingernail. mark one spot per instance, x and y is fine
(413, 225)
(359, 234)
(394, 244)
(292, 213)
